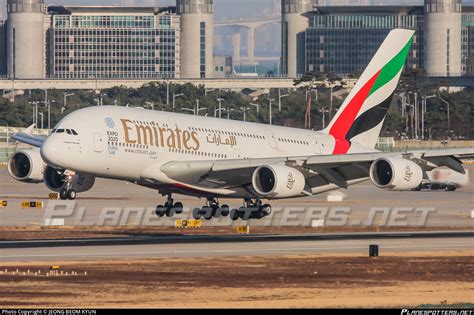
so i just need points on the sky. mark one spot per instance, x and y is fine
(223, 8)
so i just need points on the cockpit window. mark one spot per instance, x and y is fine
(68, 131)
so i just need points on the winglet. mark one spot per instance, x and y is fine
(29, 130)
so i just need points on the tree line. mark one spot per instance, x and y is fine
(305, 107)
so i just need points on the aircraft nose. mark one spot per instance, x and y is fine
(49, 152)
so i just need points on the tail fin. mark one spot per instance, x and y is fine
(361, 116)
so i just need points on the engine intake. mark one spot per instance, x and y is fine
(278, 181)
(26, 166)
(396, 174)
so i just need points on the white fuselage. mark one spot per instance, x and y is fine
(121, 143)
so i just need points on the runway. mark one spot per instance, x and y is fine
(451, 209)
(233, 246)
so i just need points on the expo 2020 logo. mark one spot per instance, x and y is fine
(110, 123)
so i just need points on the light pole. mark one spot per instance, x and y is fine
(228, 112)
(35, 112)
(219, 110)
(324, 112)
(220, 100)
(197, 107)
(195, 111)
(175, 96)
(66, 95)
(257, 106)
(47, 104)
(280, 97)
(42, 116)
(423, 113)
(415, 109)
(245, 109)
(270, 110)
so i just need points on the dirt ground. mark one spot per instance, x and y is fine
(35, 233)
(288, 282)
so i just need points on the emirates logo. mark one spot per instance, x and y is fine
(290, 181)
(408, 174)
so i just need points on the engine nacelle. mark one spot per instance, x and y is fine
(27, 166)
(278, 181)
(396, 174)
(56, 180)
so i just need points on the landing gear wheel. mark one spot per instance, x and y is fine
(197, 214)
(234, 214)
(160, 211)
(209, 212)
(266, 210)
(450, 188)
(224, 211)
(178, 208)
(71, 194)
(63, 194)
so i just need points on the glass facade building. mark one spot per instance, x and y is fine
(113, 43)
(344, 42)
(468, 42)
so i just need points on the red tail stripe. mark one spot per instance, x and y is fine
(344, 122)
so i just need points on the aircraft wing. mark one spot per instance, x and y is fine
(319, 170)
(27, 137)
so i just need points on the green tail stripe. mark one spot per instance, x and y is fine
(392, 68)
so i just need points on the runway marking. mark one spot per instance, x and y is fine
(222, 251)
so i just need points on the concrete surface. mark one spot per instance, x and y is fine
(450, 209)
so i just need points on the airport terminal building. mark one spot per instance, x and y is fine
(85, 43)
(97, 42)
(343, 39)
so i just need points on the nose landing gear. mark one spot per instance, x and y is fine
(67, 192)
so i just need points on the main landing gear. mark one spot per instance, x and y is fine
(211, 210)
(251, 210)
(170, 208)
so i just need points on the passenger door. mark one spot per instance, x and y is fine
(98, 143)
(271, 139)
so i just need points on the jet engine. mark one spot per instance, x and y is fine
(396, 174)
(278, 181)
(27, 166)
(56, 180)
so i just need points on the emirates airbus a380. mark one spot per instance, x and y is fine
(211, 158)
